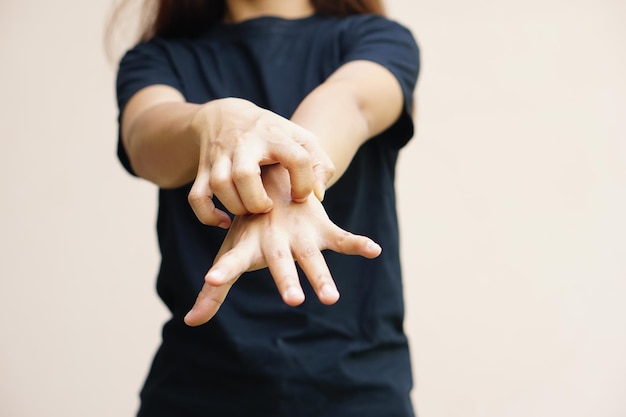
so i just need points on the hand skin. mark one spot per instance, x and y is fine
(228, 140)
(236, 140)
(290, 232)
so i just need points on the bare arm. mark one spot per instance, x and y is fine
(156, 134)
(165, 138)
(221, 145)
(168, 142)
(360, 100)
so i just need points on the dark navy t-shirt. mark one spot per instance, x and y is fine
(258, 356)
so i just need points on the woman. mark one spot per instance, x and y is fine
(255, 108)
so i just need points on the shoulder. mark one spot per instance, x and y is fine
(372, 24)
(378, 38)
(148, 63)
(157, 56)
(154, 48)
(375, 36)
(371, 21)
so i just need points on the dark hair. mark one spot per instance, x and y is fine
(139, 20)
(173, 18)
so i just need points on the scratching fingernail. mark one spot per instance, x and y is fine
(320, 190)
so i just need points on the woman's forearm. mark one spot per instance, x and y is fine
(165, 136)
(333, 116)
(359, 101)
(170, 141)
(220, 146)
(161, 145)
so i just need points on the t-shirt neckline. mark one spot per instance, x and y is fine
(264, 23)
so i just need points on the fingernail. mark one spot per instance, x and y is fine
(187, 316)
(320, 191)
(215, 275)
(293, 293)
(374, 246)
(329, 291)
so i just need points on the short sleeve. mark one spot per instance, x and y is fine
(146, 64)
(378, 39)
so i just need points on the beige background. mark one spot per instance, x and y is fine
(512, 202)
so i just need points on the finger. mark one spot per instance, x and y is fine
(217, 282)
(319, 189)
(283, 269)
(295, 158)
(314, 267)
(201, 201)
(221, 182)
(246, 173)
(341, 241)
(232, 264)
(322, 165)
(207, 304)
(323, 171)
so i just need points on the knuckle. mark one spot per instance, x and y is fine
(255, 206)
(195, 197)
(304, 136)
(246, 174)
(307, 253)
(344, 238)
(322, 280)
(219, 181)
(278, 255)
(329, 167)
(273, 131)
(300, 157)
(216, 300)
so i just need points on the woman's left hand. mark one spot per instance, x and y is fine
(289, 232)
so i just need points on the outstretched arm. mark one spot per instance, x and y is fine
(221, 145)
(360, 100)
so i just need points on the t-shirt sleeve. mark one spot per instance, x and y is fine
(378, 39)
(144, 65)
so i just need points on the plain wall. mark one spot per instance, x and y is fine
(512, 199)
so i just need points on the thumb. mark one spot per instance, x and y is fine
(207, 304)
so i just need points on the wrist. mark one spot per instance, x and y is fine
(213, 117)
(203, 122)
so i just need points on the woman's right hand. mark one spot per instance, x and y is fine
(236, 138)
